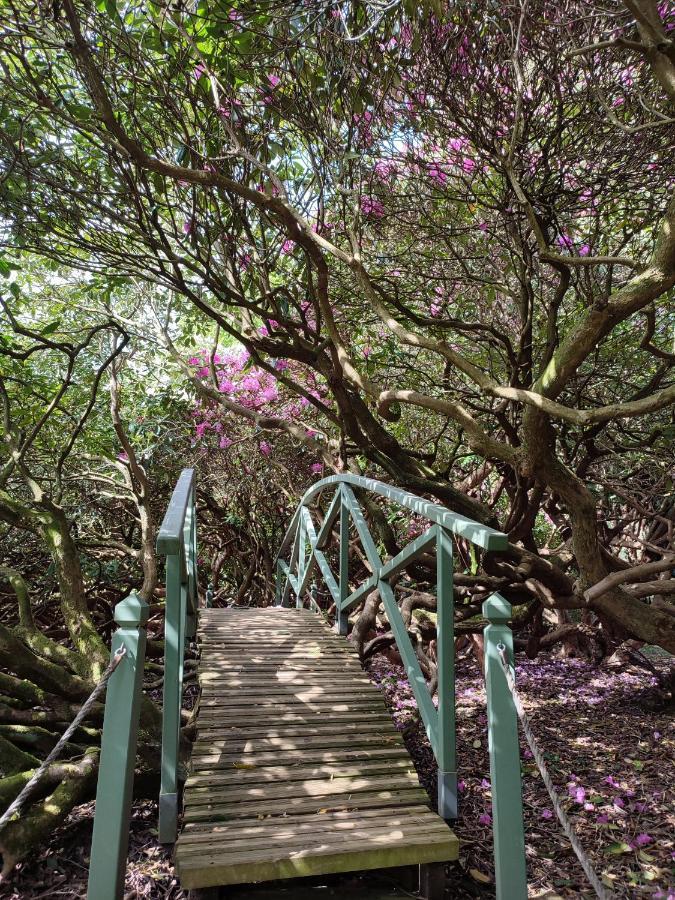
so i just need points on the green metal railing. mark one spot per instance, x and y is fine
(305, 546)
(177, 541)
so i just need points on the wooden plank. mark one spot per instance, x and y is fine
(239, 706)
(329, 741)
(322, 790)
(285, 774)
(202, 810)
(198, 844)
(213, 870)
(335, 820)
(290, 716)
(226, 760)
(295, 729)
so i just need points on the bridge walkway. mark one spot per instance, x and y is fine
(297, 768)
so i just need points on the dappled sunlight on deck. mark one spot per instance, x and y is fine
(297, 768)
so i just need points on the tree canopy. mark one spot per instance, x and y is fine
(433, 243)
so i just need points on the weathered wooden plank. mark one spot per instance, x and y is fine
(324, 706)
(203, 872)
(335, 820)
(212, 739)
(228, 845)
(317, 788)
(285, 774)
(223, 759)
(200, 811)
(246, 732)
(258, 696)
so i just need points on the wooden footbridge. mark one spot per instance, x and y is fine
(297, 768)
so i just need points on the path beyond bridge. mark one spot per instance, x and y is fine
(297, 768)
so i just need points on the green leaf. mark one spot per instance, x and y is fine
(618, 848)
(51, 328)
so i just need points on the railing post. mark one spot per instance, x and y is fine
(445, 659)
(278, 590)
(507, 804)
(208, 599)
(110, 841)
(301, 561)
(190, 542)
(174, 640)
(341, 615)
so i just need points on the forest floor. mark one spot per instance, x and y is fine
(609, 751)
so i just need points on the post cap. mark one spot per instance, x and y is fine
(497, 610)
(133, 610)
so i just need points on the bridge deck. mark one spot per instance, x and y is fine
(297, 768)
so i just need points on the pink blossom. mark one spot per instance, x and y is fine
(188, 225)
(546, 814)
(317, 468)
(287, 246)
(584, 250)
(274, 80)
(224, 442)
(643, 839)
(485, 819)
(367, 350)
(434, 309)
(123, 457)
(438, 175)
(384, 169)
(200, 68)
(371, 206)
(468, 164)
(265, 448)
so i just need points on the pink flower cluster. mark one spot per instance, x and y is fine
(251, 387)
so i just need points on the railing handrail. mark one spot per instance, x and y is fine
(177, 541)
(171, 532)
(482, 535)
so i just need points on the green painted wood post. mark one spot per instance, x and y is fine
(278, 588)
(208, 598)
(341, 615)
(173, 664)
(110, 841)
(445, 658)
(507, 803)
(191, 565)
(301, 560)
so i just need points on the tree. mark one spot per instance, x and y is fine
(448, 191)
(58, 531)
